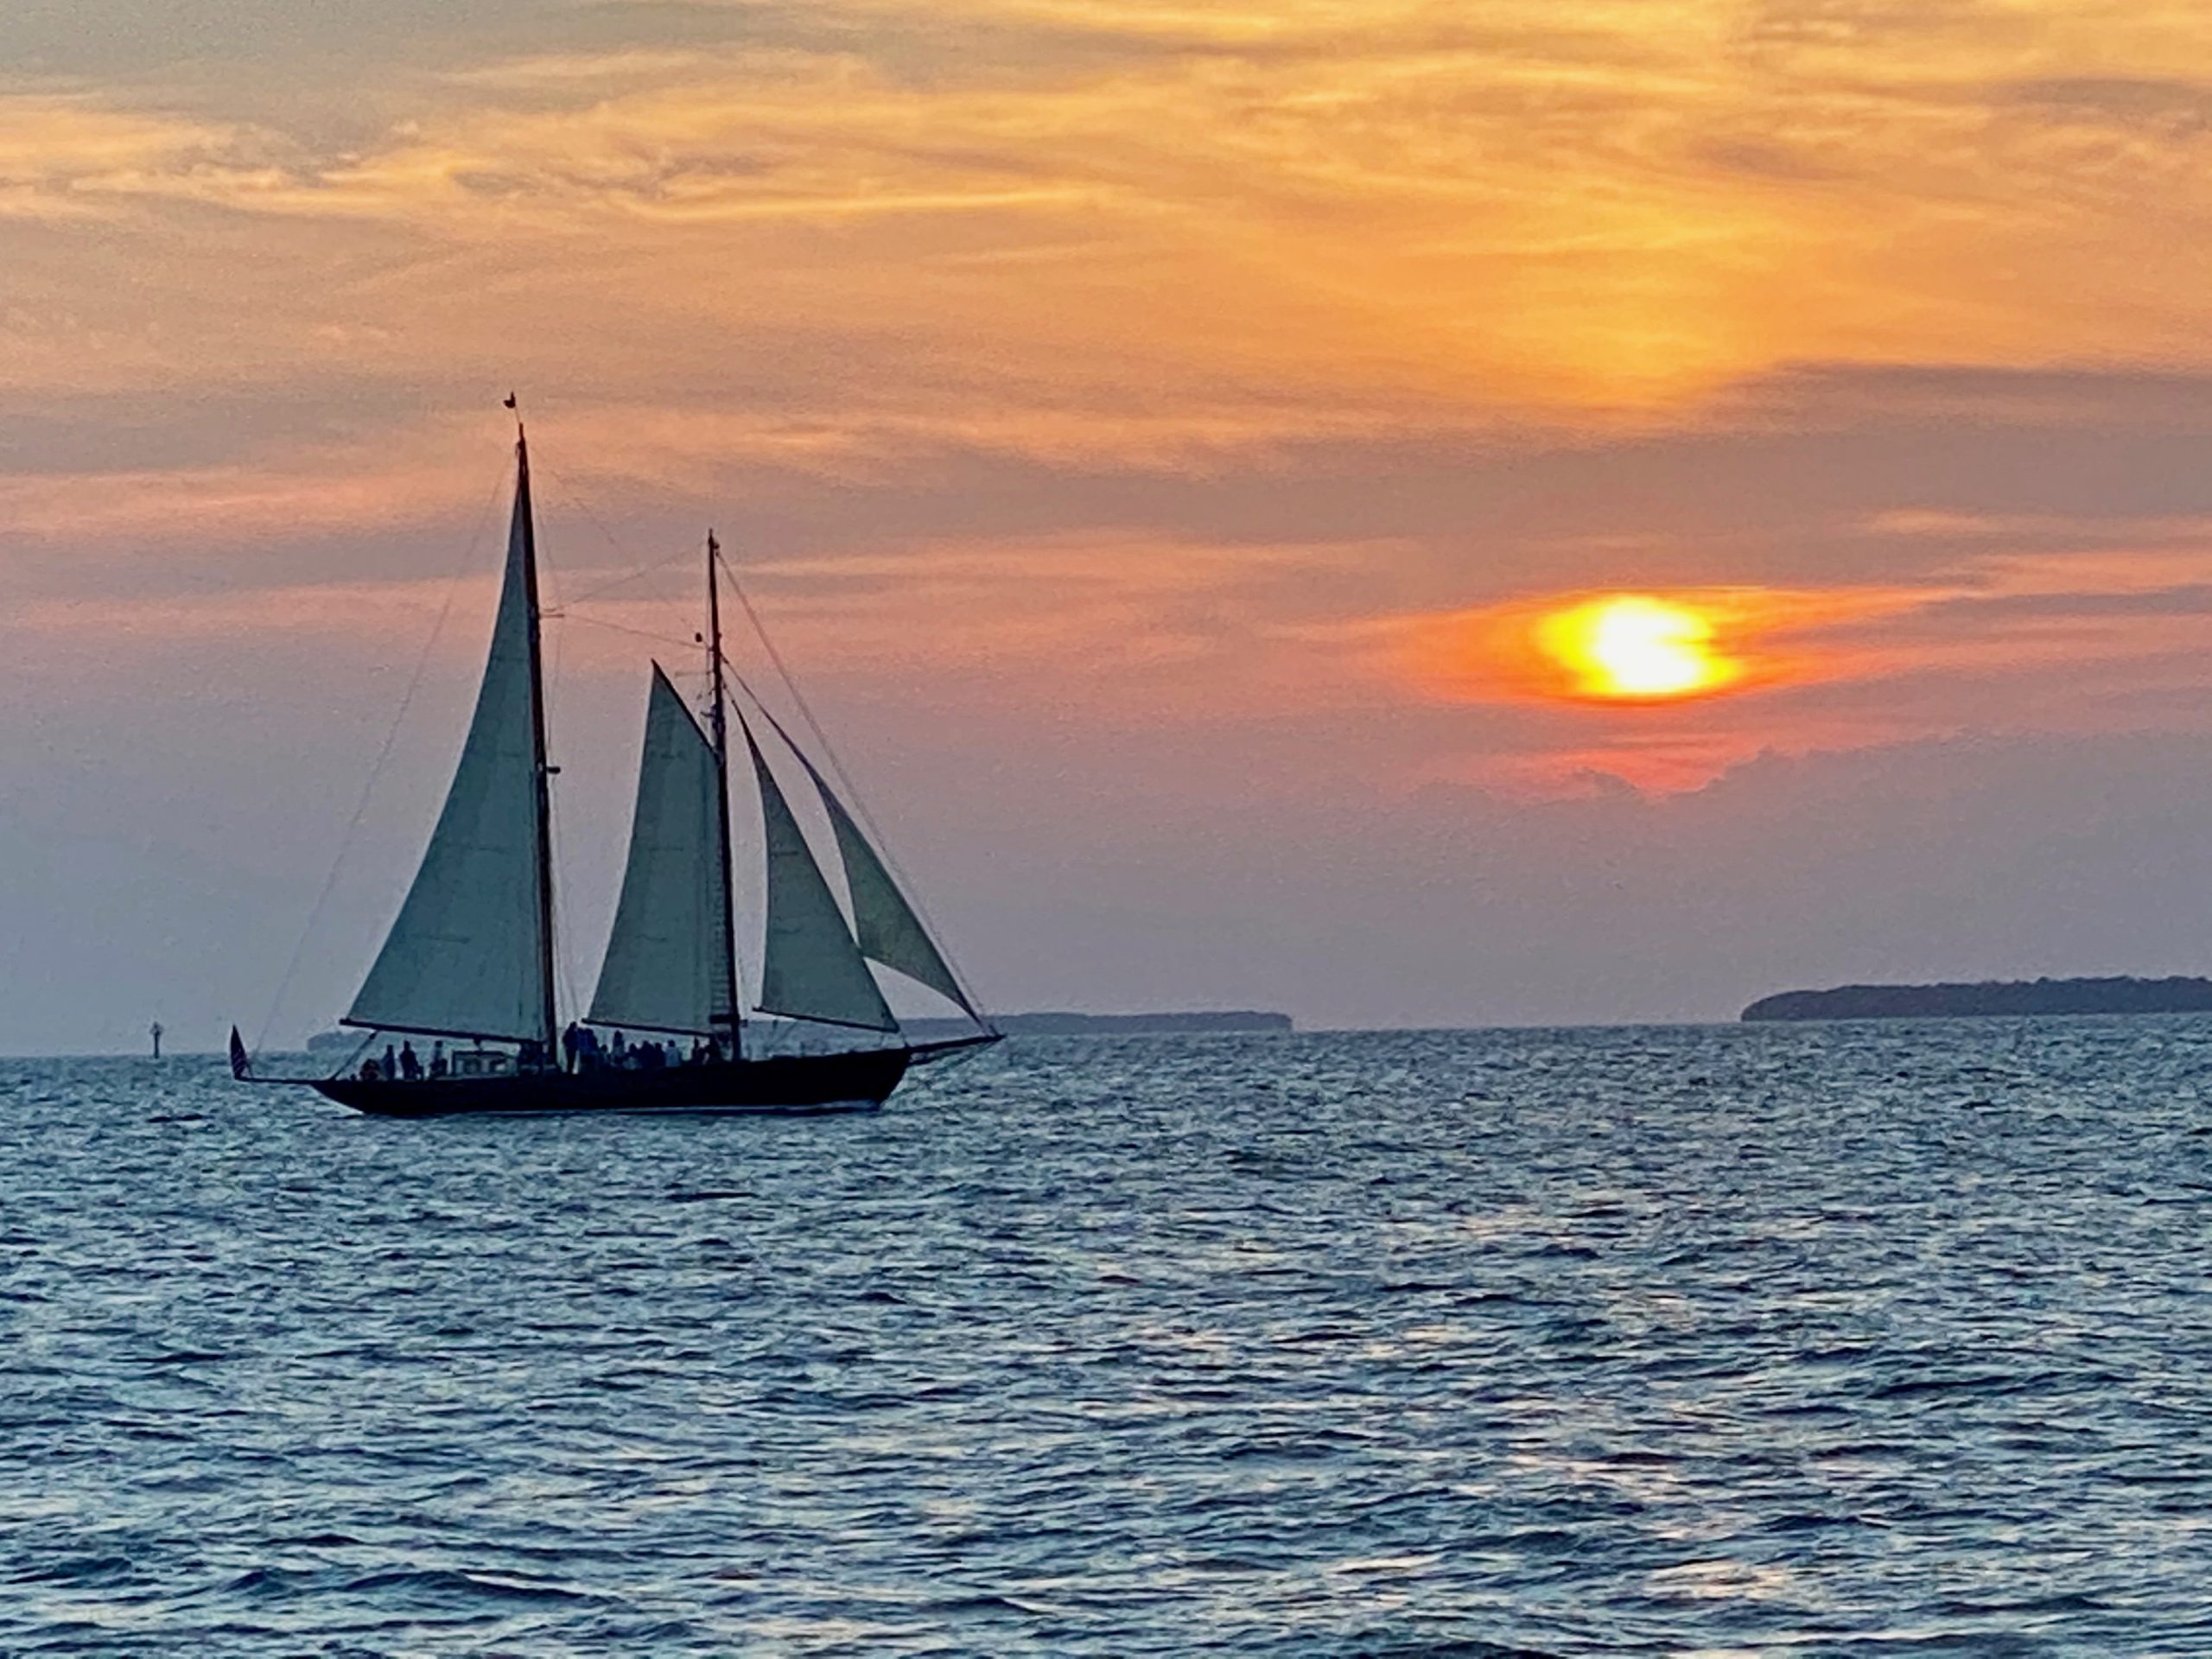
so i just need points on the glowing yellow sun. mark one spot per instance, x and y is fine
(1632, 647)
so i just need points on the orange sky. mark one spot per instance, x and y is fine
(1132, 384)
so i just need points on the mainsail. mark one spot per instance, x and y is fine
(809, 968)
(667, 959)
(471, 954)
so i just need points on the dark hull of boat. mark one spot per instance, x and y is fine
(789, 1085)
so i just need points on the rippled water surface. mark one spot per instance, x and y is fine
(1814, 1340)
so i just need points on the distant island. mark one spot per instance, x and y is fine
(1991, 997)
(1110, 1024)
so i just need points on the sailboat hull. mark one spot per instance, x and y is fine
(789, 1085)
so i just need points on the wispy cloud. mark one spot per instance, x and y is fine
(68, 156)
(1540, 210)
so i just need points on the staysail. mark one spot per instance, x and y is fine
(471, 953)
(810, 968)
(888, 929)
(667, 959)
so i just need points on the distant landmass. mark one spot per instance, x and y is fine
(1991, 997)
(1110, 1025)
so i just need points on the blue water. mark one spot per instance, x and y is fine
(1818, 1340)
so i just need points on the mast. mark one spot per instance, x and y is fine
(549, 1020)
(718, 729)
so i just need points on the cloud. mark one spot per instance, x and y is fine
(1381, 217)
(2180, 109)
(1058, 322)
(1493, 652)
(1111, 219)
(64, 155)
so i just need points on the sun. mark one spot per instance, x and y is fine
(1630, 647)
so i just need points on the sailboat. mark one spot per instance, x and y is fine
(470, 958)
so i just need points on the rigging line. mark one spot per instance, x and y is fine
(858, 805)
(829, 750)
(575, 500)
(345, 1066)
(622, 627)
(641, 572)
(970, 1003)
(384, 754)
(561, 484)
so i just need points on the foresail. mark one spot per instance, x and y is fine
(467, 954)
(889, 932)
(809, 968)
(668, 959)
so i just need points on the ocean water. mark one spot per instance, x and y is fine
(1846, 1339)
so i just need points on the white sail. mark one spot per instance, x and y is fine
(667, 959)
(468, 954)
(889, 932)
(809, 967)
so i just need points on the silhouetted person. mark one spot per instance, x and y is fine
(618, 1052)
(369, 1073)
(438, 1067)
(571, 1042)
(391, 1064)
(411, 1065)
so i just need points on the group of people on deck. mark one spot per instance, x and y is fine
(406, 1066)
(580, 1049)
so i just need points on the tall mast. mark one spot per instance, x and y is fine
(549, 1020)
(718, 727)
